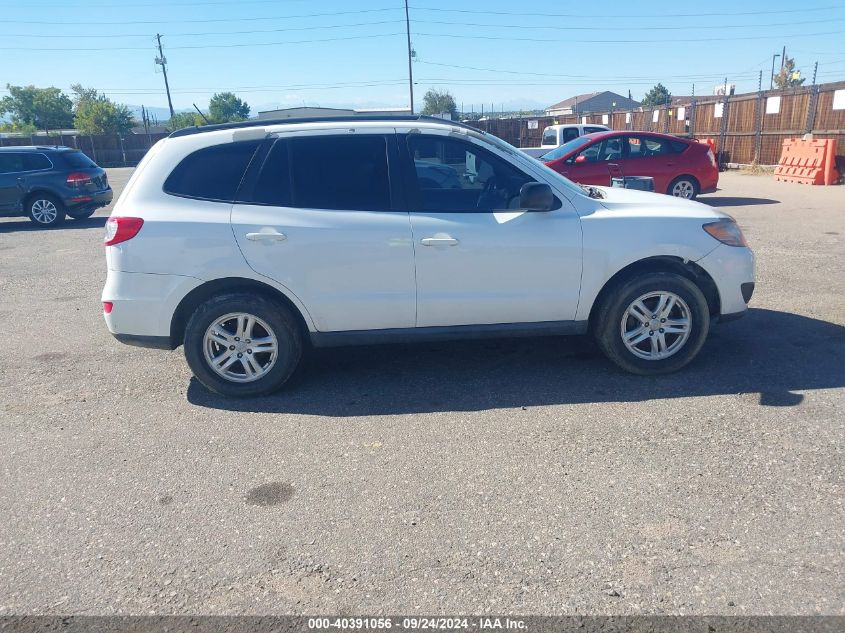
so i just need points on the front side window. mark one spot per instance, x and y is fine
(11, 162)
(570, 133)
(212, 173)
(609, 149)
(454, 175)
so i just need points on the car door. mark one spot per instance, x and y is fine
(596, 163)
(479, 258)
(647, 155)
(11, 175)
(320, 217)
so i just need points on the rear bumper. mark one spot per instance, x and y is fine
(81, 200)
(143, 306)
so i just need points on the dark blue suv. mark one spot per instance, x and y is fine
(48, 183)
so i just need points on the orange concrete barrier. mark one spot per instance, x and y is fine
(709, 141)
(808, 162)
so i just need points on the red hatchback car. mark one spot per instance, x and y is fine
(679, 167)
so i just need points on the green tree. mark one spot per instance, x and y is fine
(43, 108)
(184, 119)
(225, 107)
(788, 77)
(96, 114)
(438, 102)
(659, 95)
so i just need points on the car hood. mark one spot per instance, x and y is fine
(634, 202)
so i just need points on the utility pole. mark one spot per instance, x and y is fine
(162, 61)
(772, 81)
(783, 58)
(410, 70)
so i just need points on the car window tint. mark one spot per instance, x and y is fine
(677, 146)
(569, 134)
(273, 184)
(549, 137)
(454, 175)
(78, 160)
(591, 130)
(11, 162)
(35, 162)
(212, 173)
(340, 172)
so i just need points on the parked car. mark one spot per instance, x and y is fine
(247, 242)
(679, 167)
(48, 183)
(556, 135)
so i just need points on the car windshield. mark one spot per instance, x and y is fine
(564, 149)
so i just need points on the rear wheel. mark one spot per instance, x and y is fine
(653, 324)
(81, 215)
(684, 187)
(241, 345)
(45, 210)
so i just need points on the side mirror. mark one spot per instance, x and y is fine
(536, 196)
(580, 159)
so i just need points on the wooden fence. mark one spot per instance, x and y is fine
(748, 128)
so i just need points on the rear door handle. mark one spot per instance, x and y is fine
(273, 236)
(439, 241)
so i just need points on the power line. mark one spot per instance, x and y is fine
(205, 20)
(628, 16)
(623, 29)
(202, 46)
(218, 33)
(621, 41)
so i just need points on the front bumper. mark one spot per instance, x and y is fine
(732, 269)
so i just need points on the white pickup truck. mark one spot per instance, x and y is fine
(556, 135)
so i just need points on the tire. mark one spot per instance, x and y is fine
(680, 345)
(685, 187)
(45, 210)
(81, 215)
(271, 319)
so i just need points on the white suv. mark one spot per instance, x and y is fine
(247, 242)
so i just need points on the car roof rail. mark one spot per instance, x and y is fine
(399, 118)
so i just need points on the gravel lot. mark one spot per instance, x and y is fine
(516, 477)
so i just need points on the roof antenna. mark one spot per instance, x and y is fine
(207, 122)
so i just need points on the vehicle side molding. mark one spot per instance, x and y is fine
(447, 333)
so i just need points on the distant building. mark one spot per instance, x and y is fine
(592, 102)
(313, 112)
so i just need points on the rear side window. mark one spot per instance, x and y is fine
(212, 173)
(36, 162)
(340, 172)
(591, 130)
(78, 160)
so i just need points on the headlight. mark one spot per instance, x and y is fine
(727, 232)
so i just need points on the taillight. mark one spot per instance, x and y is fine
(107, 307)
(78, 179)
(711, 157)
(121, 229)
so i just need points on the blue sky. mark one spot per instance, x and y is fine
(280, 53)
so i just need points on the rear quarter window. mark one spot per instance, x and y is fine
(78, 160)
(676, 147)
(212, 173)
(36, 162)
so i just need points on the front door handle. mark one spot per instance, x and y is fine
(273, 236)
(439, 241)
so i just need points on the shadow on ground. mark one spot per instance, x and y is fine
(733, 201)
(769, 353)
(25, 225)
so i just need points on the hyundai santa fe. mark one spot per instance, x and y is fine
(247, 243)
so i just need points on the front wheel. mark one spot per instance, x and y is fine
(242, 345)
(654, 324)
(45, 210)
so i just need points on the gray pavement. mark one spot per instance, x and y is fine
(524, 477)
